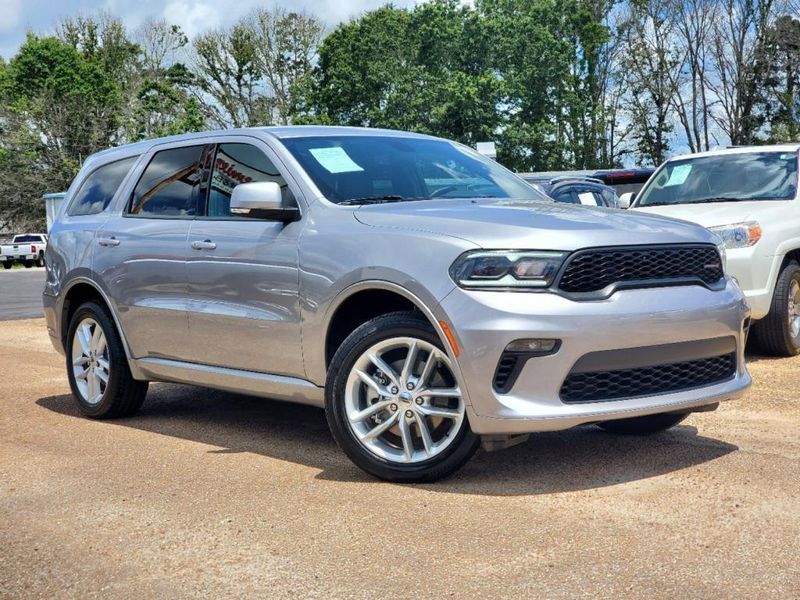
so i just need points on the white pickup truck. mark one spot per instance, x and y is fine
(750, 197)
(25, 248)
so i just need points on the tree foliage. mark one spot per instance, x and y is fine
(557, 84)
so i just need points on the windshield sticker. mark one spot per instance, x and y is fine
(678, 175)
(335, 160)
(587, 198)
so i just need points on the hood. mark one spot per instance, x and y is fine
(490, 223)
(716, 213)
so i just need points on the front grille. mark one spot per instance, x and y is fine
(594, 270)
(600, 386)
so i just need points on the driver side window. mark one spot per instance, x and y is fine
(235, 164)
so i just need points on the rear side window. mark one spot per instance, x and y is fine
(171, 184)
(99, 188)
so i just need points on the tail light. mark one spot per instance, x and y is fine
(33, 249)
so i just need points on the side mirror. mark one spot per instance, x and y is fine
(626, 199)
(262, 200)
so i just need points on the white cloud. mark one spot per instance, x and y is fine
(10, 14)
(196, 16)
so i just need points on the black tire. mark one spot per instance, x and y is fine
(123, 395)
(28, 264)
(7, 264)
(643, 425)
(40, 260)
(772, 334)
(396, 324)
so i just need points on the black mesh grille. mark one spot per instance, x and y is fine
(503, 375)
(600, 386)
(593, 270)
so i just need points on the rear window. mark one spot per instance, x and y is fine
(28, 239)
(99, 188)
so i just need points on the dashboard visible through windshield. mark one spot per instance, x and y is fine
(377, 169)
(723, 178)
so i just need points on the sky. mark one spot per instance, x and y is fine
(40, 16)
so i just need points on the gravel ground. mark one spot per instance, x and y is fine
(206, 494)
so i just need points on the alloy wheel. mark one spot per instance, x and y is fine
(794, 309)
(90, 360)
(402, 400)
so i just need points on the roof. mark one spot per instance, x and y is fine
(283, 132)
(741, 150)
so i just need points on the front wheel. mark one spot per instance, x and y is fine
(28, 264)
(643, 425)
(778, 333)
(97, 367)
(7, 264)
(393, 403)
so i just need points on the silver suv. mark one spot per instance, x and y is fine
(425, 296)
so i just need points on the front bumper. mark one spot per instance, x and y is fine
(756, 274)
(485, 322)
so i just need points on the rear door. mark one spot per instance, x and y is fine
(140, 255)
(243, 277)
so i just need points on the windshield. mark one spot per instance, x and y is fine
(723, 178)
(362, 169)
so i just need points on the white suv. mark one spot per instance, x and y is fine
(749, 197)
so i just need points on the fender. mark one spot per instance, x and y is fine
(433, 313)
(81, 279)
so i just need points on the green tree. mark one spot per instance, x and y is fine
(58, 106)
(230, 78)
(286, 46)
(422, 70)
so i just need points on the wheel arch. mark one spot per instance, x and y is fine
(791, 255)
(79, 291)
(356, 305)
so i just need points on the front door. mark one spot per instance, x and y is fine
(242, 272)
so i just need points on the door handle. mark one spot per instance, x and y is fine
(204, 245)
(108, 242)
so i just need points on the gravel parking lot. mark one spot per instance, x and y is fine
(217, 495)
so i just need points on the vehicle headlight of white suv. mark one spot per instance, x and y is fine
(739, 235)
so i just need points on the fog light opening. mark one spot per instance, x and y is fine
(533, 346)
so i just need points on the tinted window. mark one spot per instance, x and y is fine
(171, 184)
(352, 168)
(235, 164)
(726, 177)
(99, 188)
(28, 239)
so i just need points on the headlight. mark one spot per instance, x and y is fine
(739, 235)
(494, 269)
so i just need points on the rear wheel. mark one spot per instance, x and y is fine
(28, 264)
(778, 333)
(97, 367)
(40, 260)
(393, 403)
(643, 425)
(7, 264)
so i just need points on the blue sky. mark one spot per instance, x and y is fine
(19, 16)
